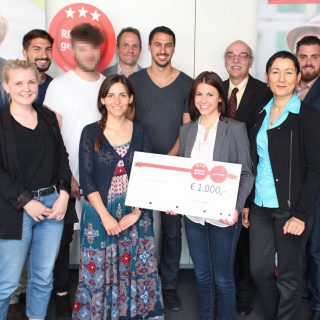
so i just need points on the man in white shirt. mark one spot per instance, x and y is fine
(73, 97)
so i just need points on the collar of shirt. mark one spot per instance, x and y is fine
(292, 106)
(302, 91)
(241, 86)
(119, 71)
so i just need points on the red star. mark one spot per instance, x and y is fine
(125, 259)
(92, 267)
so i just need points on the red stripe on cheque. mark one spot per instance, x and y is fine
(199, 171)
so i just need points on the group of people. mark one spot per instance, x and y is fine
(70, 150)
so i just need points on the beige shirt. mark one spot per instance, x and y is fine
(302, 91)
(242, 86)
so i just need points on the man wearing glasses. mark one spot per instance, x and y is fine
(246, 97)
(128, 49)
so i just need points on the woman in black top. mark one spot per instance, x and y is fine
(34, 190)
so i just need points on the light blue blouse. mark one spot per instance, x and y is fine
(265, 190)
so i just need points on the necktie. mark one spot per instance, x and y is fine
(232, 103)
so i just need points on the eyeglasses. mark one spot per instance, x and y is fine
(241, 56)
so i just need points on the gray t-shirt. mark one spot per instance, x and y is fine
(160, 110)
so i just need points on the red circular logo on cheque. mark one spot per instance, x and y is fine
(199, 171)
(70, 16)
(218, 174)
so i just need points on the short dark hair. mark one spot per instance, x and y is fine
(212, 79)
(88, 33)
(35, 33)
(129, 29)
(306, 41)
(162, 29)
(283, 55)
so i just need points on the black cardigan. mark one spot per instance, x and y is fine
(13, 194)
(294, 150)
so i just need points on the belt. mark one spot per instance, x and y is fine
(44, 191)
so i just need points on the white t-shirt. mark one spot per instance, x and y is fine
(75, 100)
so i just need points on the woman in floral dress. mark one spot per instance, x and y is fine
(118, 276)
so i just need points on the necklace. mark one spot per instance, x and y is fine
(275, 114)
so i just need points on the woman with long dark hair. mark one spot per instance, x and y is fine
(118, 276)
(212, 243)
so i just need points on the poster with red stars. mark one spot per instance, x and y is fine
(68, 17)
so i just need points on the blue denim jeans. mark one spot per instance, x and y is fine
(39, 245)
(212, 250)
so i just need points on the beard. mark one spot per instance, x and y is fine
(84, 67)
(309, 75)
(40, 68)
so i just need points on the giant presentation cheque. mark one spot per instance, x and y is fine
(187, 186)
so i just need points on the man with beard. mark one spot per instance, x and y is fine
(161, 93)
(37, 48)
(308, 54)
(308, 89)
(128, 49)
(73, 97)
(246, 98)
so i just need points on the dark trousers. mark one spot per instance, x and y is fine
(312, 275)
(212, 250)
(245, 287)
(280, 296)
(170, 250)
(61, 268)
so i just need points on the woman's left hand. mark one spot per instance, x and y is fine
(234, 220)
(59, 208)
(130, 219)
(294, 226)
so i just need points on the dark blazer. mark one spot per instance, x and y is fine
(294, 152)
(231, 145)
(312, 99)
(13, 194)
(255, 97)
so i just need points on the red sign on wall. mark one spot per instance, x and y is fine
(66, 19)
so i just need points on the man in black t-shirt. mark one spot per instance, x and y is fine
(161, 93)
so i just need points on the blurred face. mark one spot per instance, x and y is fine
(283, 78)
(207, 99)
(86, 55)
(161, 49)
(117, 100)
(129, 49)
(40, 53)
(309, 59)
(238, 60)
(22, 86)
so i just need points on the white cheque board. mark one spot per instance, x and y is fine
(186, 186)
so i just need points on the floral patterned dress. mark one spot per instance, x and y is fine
(118, 276)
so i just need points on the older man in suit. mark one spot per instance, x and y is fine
(246, 97)
(128, 49)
